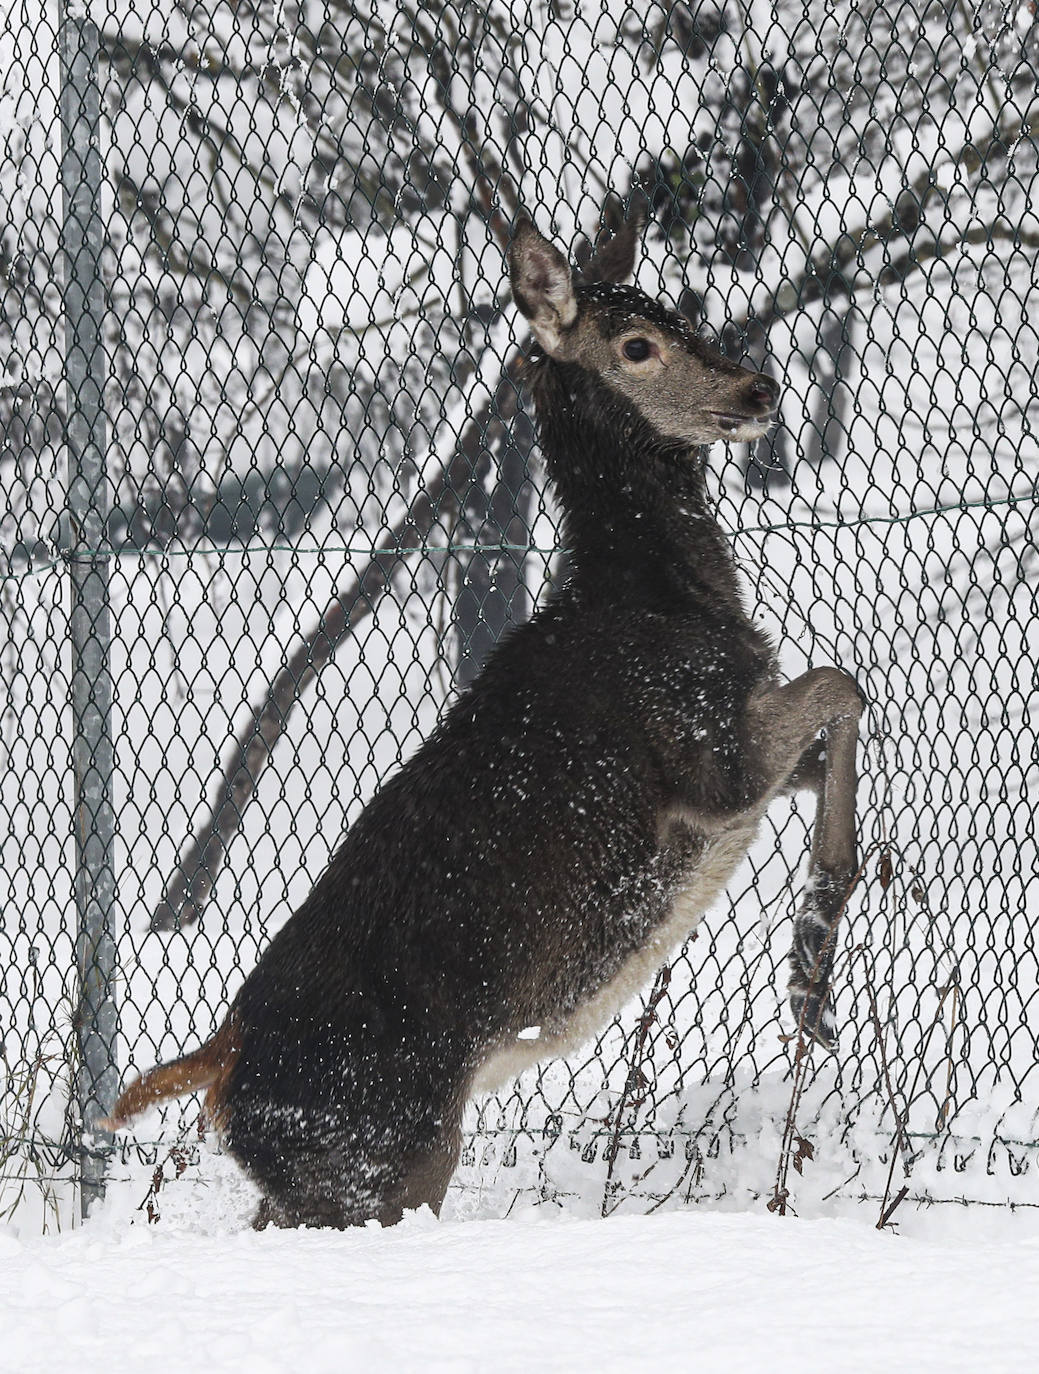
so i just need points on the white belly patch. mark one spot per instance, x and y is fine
(700, 891)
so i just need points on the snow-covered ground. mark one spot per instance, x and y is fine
(679, 1291)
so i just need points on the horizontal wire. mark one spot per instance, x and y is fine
(513, 1134)
(366, 551)
(986, 504)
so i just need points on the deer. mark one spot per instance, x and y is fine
(576, 811)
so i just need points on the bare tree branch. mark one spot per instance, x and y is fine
(188, 889)
(835, 275)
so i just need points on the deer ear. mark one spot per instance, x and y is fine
(542, 287)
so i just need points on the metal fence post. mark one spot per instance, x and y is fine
(90, 626)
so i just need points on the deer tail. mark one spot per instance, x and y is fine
(208, 1067)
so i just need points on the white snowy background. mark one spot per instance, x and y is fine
(284, 321)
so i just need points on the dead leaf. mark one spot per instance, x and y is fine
(805, 1150)
(885, 869)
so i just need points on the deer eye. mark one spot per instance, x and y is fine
(637, 350)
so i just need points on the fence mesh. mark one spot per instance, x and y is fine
(261, 283)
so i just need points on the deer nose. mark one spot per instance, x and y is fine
(763, 392)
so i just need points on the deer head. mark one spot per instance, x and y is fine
(646, 355)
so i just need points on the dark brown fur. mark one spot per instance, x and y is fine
(570, 818)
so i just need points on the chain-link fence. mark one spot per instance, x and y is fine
(269, 495)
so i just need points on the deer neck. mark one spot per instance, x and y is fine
(637, 524)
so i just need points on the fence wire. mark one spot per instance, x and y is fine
(270, 494)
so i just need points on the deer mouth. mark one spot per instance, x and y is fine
(737, 426)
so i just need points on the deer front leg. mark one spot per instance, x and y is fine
(787, 724)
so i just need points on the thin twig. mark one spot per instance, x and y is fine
(885, 1215)
(901, 1138)
(943, 1115)
(645, 1021)
(178, 1154)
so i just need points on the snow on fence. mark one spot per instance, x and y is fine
(269, 495)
